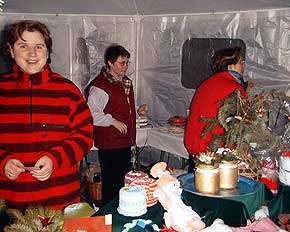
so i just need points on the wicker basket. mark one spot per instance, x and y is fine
(94, 190)
(249, 166)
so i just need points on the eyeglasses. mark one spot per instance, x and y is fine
(123, 63)
(242, 61)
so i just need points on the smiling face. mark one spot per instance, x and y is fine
(120, 66)
(30, 52)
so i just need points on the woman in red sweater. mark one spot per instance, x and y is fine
(228, 67)
(45, 125)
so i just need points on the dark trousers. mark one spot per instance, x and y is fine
(115, 164)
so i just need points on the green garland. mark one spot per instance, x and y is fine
(40, 219)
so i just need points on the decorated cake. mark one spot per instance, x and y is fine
(133, 175)
(149, 185)
(142, 179)
(132, 201)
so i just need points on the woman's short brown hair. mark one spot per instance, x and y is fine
(16, 30)
(224, 57)
(113, 52)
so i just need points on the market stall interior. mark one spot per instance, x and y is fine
(171, 46)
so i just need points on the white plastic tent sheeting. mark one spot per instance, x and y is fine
(155, 43)
(141, 7)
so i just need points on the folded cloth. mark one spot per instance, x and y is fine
(263, 224)
(262, 213)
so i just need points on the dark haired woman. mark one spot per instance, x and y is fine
(45, 125)
(111, 100)
(228, 67)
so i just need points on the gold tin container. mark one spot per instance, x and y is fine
(228, 175)
(207, 179)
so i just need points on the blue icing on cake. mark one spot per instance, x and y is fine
(132, 201)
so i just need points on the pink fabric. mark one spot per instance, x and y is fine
(262, 225)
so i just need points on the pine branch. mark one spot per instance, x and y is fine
(246, 120)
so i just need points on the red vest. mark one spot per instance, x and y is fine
(118, 107)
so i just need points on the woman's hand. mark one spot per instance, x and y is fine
(120, 126)
(13, 168)
(44, 168)
(143, 109)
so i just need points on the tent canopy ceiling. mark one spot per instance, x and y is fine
(142, 7)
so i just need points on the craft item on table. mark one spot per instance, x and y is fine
(132, 201)
(133, 175)
(178, 216)
(228, 168)
(284, 168)
(141, 121)
(229, 174)
(207, 179)
(149, 185)
(177, 121)
(218, 225)
(269, 174)
(263, 224)
(172, 130)
(245, 187)
(140, 223)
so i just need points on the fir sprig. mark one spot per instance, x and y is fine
(246, 120)
(30, 220)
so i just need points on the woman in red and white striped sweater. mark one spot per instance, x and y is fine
(45, 125)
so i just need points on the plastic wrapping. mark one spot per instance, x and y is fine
(156, 42)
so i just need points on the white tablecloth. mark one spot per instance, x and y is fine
(141, 137)
(157, 138)
(172, 143)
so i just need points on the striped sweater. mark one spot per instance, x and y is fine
(42, 114)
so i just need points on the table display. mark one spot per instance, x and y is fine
(245, 186)
(243, 201)
(154, 213)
